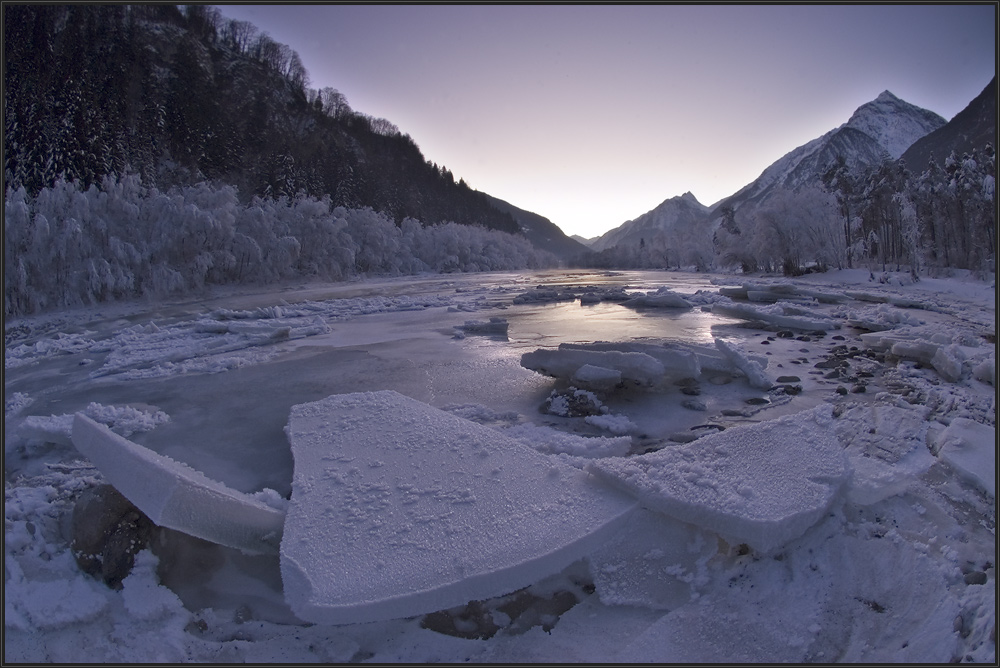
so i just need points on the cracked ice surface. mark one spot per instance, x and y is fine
(762, 484)
(399, 509)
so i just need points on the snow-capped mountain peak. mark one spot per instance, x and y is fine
(894, 123)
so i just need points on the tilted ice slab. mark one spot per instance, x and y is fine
(400, 509)
(176, 496)
(762, 484)
(753, 370)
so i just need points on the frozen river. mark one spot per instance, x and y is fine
(898, 566)
(229, 424)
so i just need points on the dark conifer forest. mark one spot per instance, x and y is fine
(184, 96)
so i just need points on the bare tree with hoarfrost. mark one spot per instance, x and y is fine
(69, 246)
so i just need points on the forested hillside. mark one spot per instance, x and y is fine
(182, 96)
(153, 151)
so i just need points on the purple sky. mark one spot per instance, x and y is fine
(592, 115)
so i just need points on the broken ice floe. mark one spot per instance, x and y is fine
(605, 366)
(769, 315)
(174, 495)
(399, 509)
(495, 326)
(662, 298)
(762, 484)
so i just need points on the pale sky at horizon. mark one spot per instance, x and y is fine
(591, 115)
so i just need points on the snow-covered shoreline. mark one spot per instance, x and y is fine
(900, 566)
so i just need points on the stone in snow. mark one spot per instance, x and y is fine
(176, 496)
(400, 509)
(763, 484)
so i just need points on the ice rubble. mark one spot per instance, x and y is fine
(176, 496)
(399, 509)
(37, 430)
(761, 484)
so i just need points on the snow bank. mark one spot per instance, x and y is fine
(762, 484)
(176, 496)
(841, 599)
(399, 509)
(655, 561)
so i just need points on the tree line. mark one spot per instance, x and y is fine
(71, 245)
(880, 217)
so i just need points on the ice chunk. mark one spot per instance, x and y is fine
(495, 326)
(658, 300)
(923, 351)
(679, 361)
(400, 509)
(176, 496)
(616, 424)
(761, 484)
(751, 369)
(596, 377)
(986, 371)
(947, 361)
(970, 448)
(638, 368)
(747, 312)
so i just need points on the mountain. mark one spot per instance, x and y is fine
(878, 130)
(970, 129)
(542, 232)
(673, 216)
(583, 240)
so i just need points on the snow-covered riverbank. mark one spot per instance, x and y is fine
(893, 561)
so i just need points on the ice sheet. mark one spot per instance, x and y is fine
(176, 496)
(400, 509)
(762, 484)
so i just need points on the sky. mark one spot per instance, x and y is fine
(591, 115)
